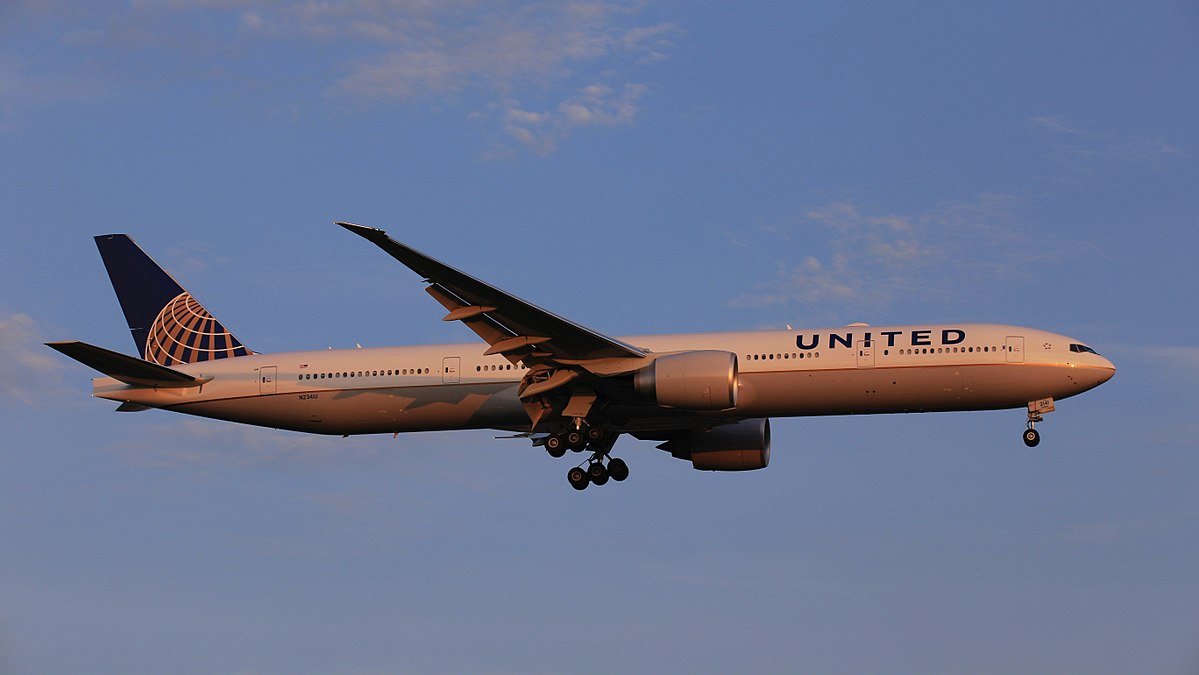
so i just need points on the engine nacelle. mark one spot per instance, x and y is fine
(699, 380)
(742, 446)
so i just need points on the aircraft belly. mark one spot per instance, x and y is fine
(366, 411)
(895, 390)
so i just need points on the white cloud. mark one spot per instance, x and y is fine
(593, 105)
(570, 62)
(865, 259)
(29, 371)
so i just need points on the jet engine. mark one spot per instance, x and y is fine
(741, 446)
(698, 380)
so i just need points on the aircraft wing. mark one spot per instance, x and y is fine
(513, 327)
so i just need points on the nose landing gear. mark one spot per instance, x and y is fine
(1035, 411)
(1031, 436)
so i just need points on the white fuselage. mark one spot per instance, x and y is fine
(848, 370)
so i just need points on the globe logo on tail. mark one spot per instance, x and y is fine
(185, 332)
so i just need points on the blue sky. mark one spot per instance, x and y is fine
(638, 167)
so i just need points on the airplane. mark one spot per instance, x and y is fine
(706, 398)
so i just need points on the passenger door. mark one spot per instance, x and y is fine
(450, 366)
(1013, 346)
(865, 354)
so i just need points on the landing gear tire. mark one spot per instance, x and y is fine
(617, 469)
(575, 439)
(594, 434)
(1031, 437)
(555, 446)
(577, 478)
(598, 473)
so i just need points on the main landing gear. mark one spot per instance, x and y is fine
(597, 473)
(576, 440)
(600, 467)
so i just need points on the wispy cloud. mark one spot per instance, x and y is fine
(1130, 529)
(207, 446)
(1174, 357)
(204, 447)
(1169, 362)
(544, 69)
(533, 71)
(862, 260)
(23, 90)
(29, 372)
(1083, 149)
(595, 105)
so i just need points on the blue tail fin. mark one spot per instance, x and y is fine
(167, 323)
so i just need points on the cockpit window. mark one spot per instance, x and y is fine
(1083, 349)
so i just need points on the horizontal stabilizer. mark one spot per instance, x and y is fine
(127, 369)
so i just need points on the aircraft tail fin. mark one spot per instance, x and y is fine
(168, 325)
(127, 369)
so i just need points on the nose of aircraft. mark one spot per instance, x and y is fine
(1106, 370)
